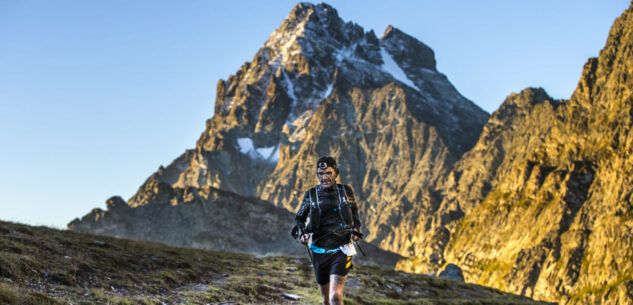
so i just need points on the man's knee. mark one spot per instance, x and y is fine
(336, 298)
(325, 293)
(326, 300)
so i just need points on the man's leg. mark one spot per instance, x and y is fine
(325, 293)
(337, 284)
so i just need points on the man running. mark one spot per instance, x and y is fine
(333, 214)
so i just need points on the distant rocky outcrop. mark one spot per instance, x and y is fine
(453, 272)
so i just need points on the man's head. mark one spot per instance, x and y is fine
(327, 171)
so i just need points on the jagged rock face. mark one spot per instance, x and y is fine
(321, 86)
(546, 192)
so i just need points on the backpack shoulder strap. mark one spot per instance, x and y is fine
(314, 199)
(341, 190)
(345, 192)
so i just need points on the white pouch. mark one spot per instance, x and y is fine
(349, 249)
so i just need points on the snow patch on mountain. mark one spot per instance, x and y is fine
(390, 66)
(346, 53)
(300, 116)
(270, 153)
(290, 90)
(245, 145)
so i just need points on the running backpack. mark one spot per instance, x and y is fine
(344, 208)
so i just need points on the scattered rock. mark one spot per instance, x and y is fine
(198, 287)
(398, 289)
(291, 296)
(300, 261)
(453, 272)
(99, 243)
(291, 268)
(353, 282)
(261, 273)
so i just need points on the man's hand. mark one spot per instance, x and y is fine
(354, 237)
(305, 238)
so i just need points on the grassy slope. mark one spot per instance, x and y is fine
(39, 265)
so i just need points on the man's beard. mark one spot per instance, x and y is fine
(327, 183)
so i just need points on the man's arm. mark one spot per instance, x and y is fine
(304, 210)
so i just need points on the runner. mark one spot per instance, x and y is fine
(332, 215)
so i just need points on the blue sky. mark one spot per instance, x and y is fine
(96, 95)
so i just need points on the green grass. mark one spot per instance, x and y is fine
(40, 265)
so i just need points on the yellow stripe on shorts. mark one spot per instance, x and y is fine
(349, 262)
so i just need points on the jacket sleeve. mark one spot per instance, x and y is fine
(352, 200)
(304, 210)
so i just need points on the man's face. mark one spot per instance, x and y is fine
(327, 176)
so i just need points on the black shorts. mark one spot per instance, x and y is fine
(330, 263)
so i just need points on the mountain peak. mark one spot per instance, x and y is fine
(407, 48)
(311, 17)
(305, 9)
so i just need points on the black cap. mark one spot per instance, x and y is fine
(325, 162)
